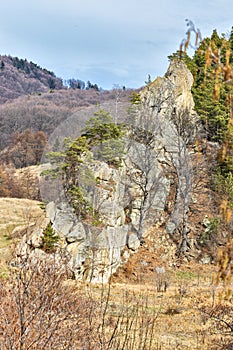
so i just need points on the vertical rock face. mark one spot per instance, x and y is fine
(171, 91)
(131, 198)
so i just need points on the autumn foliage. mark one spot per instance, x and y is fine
(25, 149)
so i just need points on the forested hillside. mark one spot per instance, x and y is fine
(19, 77)
(33, 98)
(33, 102)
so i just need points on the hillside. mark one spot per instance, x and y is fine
(43, 112)
(30, 110)
(19, 77)
(33, 98)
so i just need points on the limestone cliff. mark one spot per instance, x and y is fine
(132, 198)
(169, 103)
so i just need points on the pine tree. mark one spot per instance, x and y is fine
(215, 38)
(101, 128)
(49, 239)
(209, 90)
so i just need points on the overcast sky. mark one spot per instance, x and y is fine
(105, 41)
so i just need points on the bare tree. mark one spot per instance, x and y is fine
(166, 132)
(37, 311)
(144, 170)
(40, 311)
(117, 94)
(184, 130)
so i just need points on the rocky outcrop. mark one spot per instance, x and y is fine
(131, 198)
(119, 196)
(170, 107)
(173, 91)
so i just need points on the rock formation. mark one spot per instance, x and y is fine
(132, 198)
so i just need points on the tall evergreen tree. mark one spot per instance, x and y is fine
(210, 91)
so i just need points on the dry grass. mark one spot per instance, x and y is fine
(15, 212)
(179, 322)
(176, 313)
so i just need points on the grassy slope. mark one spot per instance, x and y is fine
(178, 321)
(15, 212)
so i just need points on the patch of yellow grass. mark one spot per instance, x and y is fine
(15, 212)
(178, 323)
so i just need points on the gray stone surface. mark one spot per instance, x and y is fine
(64, 218)
(132, 198)
(77, 233)
(133, 242)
